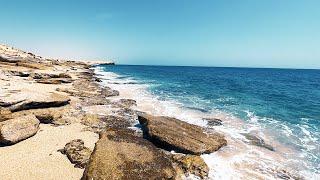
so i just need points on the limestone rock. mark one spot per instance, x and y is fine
(127, 113)
(173, 134)
(108, 92)
(119, 154)
(54, 100)
(77, 153)
(18, 129)
(99, 123)
(125, 103)
(5, 114)
(191, 164)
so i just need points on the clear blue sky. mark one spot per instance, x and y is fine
(250, 33)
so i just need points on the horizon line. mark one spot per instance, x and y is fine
(207, 66)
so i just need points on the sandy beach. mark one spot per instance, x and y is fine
(38, 158)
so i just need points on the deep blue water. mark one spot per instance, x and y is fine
(288, 97)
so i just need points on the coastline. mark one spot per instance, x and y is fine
(239, 158)
(52, 112)
(91, 107)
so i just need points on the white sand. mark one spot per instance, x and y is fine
(37, 157)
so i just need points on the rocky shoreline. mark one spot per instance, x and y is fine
(38, 93)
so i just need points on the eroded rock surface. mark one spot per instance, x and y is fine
(119, 154)
(191, 164)
(77, 153)
(5, 114)
(173, 134)
(124, 103)
(99, 123)
(18, 129)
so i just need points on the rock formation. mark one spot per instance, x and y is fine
(173, 134)
(119, 154)
(17, 129)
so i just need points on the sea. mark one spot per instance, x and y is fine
(279, 106)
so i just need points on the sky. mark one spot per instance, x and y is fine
(236, 33)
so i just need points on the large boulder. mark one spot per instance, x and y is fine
(18, 129)
(119, 154)
(77, 153)
(53, 100)
(173, 134)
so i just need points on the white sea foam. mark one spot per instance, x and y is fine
(237, 160)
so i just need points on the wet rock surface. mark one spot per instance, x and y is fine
(17, 129)
(173, 134)
(77, 153)
(119, 154)
(191, 164)
(213, 121)
(257, 141)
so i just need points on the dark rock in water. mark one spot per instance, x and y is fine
(77, 153)
(119, 154)
(213, 121)
(257, 141)
(173, 134)
(191, 164)
(17, 129)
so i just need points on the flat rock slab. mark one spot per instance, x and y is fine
(18, 129)
(51, 100)
(119, 154)
(173, 134)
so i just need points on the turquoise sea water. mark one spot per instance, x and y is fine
(284, 102)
